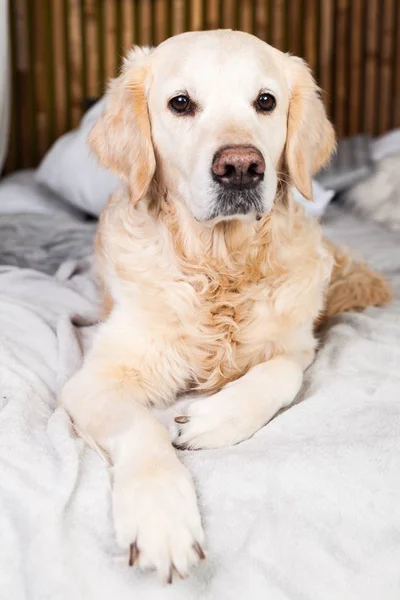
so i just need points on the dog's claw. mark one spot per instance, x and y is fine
(169, 579)
(182, 419)
(199, 550)
(133, 554)
(180, 446)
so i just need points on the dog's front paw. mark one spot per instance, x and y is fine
(157, 518)
(220, 420)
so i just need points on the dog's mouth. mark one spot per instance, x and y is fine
(237, 173)
(231, 203)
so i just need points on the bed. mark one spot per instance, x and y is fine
(306, 509)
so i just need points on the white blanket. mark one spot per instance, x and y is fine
(309, 508)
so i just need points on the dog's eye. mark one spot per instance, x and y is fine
(181, 104)
(265, 102)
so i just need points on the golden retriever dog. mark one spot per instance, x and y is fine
(213, 278)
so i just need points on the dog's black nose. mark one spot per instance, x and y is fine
(238, 167)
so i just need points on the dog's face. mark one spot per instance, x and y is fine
(218, 109)
(220, 116)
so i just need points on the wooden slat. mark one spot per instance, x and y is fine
(127, 25)
(277, 24)
(20, 99)
(354, 71)
(90, 22)
(13, 150)
(109, 58)
(228, 14)
(211, 14)
(371, 65)
(153, 16)
(47, 6)
(310, 33)
(395, 112)
(104, 54)
(245, 23)
(237, 9)
(341, 66)
(178, 23)
(41, 78)
(294, 17)
(59, 67)
(254, 17)
(261, 19)
(326, 51)
(385, 70)
(187, 15)
(30, 36)
(119, 35)
(79, 31)
(145, 22)
(67, 57)
(20, 92)
(77, 54)
(162, 17)
(269, 9)
(204, 10)
(196, 15)
(317, 41)
(137, 6)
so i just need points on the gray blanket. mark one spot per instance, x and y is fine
(43, 241)
(309, 508)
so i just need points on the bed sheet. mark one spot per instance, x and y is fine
(307, 509)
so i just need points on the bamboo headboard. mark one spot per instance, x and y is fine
(63, 52)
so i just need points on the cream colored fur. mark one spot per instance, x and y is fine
(226, 307)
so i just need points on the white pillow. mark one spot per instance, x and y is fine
(71, 171)
(321, 199)
(21, 193)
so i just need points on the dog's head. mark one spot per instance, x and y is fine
(220, 116)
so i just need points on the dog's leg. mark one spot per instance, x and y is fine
(354, 286)
(244, 406)
(154, 501)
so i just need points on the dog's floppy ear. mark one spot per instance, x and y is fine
(310, 136)
(121, 138)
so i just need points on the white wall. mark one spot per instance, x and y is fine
(4, 81)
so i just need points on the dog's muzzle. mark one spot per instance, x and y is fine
(237, 172)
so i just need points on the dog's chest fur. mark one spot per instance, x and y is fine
(257, 289)
(228, 298)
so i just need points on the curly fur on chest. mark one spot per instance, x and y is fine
(258, 287)
(228, 297)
